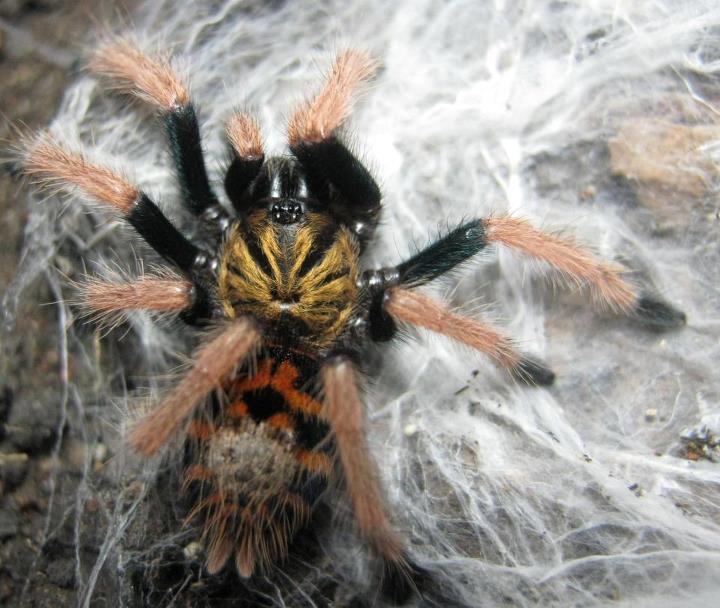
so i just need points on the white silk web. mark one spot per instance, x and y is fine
(596, 118)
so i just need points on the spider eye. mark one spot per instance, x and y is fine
(286, 212)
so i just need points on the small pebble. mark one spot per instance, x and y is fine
(100, 452)
(651, 414)
(13, 468)
(6, 589)
(9, 524)
(588, 193)
(32, 425)
(193, 550)
(410, 430)
(62, 573)
(100, 456)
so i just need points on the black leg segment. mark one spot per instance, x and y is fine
(183, 133)
(200, 312)
(330, 163)
(381, 327)
(443, 255)
(162, 236)
(533, 372)
(657, 314)
(402, 579)
(435, 260)
(239, 177)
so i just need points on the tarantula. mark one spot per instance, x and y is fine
(271, 403)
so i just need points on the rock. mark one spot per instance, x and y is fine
(666, 154)
(6, 399)
(670, 165)
(13, 469)
(62, 573)
(6, 588)
(33, 422)
(9, 524)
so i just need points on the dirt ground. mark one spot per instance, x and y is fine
(47, 552)
(39, 470)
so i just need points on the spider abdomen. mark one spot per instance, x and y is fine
(260, 464)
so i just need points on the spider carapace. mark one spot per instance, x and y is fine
(270, 407)
(289, 263)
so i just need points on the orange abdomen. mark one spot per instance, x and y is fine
(260, 463)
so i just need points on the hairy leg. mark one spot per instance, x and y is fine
(212, 363)
(247, 157)
(562, 254)
(417, 309)
(577, 265)
(317, 119)
(343, 409)
(108, 301)
(441, 256)
(604, 279)
(153, 80)
(52, 165)
(329, 163)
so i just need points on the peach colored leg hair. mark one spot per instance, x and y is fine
(219, 552)
(52, 165)
(129, 70)
(343, 409)
(105, 298)
(603, 278)
(315, 120)
(243, 132)
(418, 309)
(212, 363)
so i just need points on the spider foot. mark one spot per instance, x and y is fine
(401, 579)
(533, 372)
(658, 314)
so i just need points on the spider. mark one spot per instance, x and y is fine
(271, 406)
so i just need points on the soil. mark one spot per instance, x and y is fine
(53, 526)
(42, 463)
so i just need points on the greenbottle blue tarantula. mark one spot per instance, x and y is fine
(271, 405)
